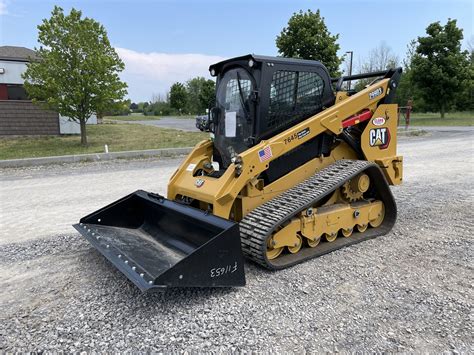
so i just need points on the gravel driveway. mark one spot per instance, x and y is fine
(410, 290)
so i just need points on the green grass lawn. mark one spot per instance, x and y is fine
(433, 119)
(119, 137)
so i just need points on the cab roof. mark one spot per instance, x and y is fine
(264, 59)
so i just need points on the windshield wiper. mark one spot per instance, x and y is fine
(242, 101)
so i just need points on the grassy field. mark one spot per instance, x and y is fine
(118, 137)
(434, 119)
(140, 118)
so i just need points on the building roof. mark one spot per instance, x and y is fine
(17, 54)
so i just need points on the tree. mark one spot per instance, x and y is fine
(207, 96)
(158, 98)
(115, 108)
(140, 107)
(178, 96)
(133, 106)
(307, 37)
(200, 93)
(379, 58)
(160, 108)
(465, 101)
(193, 89)
(439, 67)
(406, 90)
(77, 73)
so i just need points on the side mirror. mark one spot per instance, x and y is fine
(213, 118)
(214, 114)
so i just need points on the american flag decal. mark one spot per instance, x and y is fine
(265, 154)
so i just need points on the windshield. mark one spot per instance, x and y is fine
(234, 123)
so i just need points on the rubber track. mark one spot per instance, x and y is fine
(257, 226)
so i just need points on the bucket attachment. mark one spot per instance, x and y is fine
(160, 243)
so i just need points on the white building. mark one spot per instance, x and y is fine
(18, 115)
(12, 65)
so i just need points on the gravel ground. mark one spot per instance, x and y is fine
(411, 290)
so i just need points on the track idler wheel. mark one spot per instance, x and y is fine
(330, 237)
(378, 221)
(297, 246)
(362, 227)
(347, 232)
(313, 243)
(273, 253)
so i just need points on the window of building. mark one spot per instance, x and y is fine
(16, 92)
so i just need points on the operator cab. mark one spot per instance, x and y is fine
(259, 96)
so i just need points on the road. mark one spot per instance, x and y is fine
(183, 124)
(443, 129)
(410, 290)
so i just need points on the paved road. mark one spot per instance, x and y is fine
(184, 124)
(408, 291)
(443, 128)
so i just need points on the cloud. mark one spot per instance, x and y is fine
(153, 73)
(3, 7)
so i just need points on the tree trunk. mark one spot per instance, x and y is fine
(442, 110)
(83, 132)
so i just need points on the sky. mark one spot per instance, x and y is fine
(164, 41)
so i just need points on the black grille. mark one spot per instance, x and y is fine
(294, 96)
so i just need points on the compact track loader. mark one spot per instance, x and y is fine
(295, 167)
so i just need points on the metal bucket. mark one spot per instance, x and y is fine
(160, 243)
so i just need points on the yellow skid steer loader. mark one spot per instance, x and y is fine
(295, 167)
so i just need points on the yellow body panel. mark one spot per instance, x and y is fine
(379, 142)
(239, 190)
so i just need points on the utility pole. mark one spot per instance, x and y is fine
(350, 66)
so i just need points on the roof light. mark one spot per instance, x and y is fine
(251, 63)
